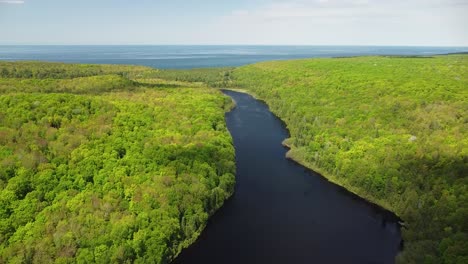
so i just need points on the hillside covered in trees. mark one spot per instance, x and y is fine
(391, 129)
(98, 166)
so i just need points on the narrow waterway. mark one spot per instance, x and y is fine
(282, 212)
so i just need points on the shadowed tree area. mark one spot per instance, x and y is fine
(391, 129)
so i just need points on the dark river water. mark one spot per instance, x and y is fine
(283, 213)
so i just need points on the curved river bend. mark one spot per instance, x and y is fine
(282, 212)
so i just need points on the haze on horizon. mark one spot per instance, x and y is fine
(255, 22)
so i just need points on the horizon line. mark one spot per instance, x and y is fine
(272, 45)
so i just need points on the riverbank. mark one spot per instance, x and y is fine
(324, 222)
(385, 128)
(292, 155)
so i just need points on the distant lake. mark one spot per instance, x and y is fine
(201, 56)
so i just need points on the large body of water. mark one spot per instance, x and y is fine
(201, 56)
(283, 213)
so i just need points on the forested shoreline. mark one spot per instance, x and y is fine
(97, 166)
(391, 129)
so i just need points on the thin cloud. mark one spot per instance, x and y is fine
(352, 22)
(345, 9)
(318, 10)
(11, 2)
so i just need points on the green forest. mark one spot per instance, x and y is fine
(97, 166)
(90, 155)
(391, 129)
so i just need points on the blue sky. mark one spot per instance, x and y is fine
(268, 22)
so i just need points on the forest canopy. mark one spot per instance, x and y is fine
(391, 129)
(96, 167)
(89, 149)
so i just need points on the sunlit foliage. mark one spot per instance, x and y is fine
(213, 77)
(393, 130)
(97, 168)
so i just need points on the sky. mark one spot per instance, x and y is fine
(238, 22)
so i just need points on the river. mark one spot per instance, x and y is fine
(284, 213)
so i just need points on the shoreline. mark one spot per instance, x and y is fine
(316, 170)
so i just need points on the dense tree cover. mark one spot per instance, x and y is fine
(393, 130)
(52, 70)
(111, 174)
(80, 85)
(81, 179)
(214, 77)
